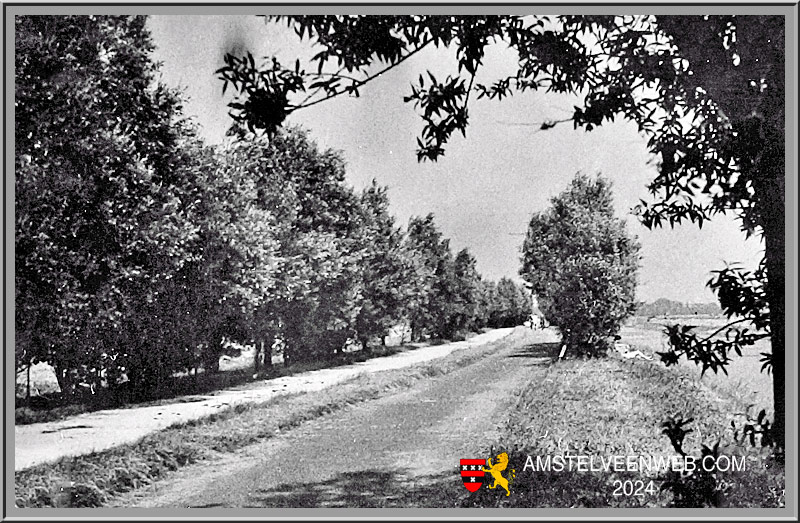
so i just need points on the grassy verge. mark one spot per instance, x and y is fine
(611, 407)
(91, 480)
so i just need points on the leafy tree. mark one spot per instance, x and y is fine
(708, 92)
(138, 249)
(466, 296)
(581, 263)
(320, 243)
(240, 224)
(487, 302)
(512, 305)
(101, 220)
(386, 269)
(431, 310)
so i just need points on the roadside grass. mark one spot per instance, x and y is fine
(92, 480)
(613, 407)
(183, 385)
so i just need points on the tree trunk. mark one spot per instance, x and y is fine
(256, 356)
(770, 185)
(773, 213)
(64, 379)
(288, 354)
(266, 351)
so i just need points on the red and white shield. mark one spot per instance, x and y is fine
(472, 473)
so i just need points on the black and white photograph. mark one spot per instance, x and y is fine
(444, 257)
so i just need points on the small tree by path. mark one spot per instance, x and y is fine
(582, 264)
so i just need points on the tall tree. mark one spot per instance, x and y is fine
(708, 92)
(241, 219)
(581, 264)
(487, 303)
(467, 291)
(512, 304)
(320, 242)
(386, 269)
(101, 202)
(430, 313)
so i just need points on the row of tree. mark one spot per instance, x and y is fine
(139, 249)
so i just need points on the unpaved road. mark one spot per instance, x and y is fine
(45, 442)
(396, 451)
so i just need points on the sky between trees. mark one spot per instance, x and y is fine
(488, 184)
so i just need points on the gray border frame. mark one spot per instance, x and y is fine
(788, 9)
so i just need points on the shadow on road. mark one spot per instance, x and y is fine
(540, 353)
(399, 489)
(367, 489)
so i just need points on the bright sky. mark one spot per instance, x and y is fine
(488, 184)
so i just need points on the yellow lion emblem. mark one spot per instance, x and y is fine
(496, 471)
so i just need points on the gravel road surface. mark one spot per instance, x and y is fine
(400, 450)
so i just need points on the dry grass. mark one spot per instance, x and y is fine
(608, 407)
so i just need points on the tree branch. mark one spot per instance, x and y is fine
(318, 89)
(338, 74)
(469, 90)
(722, 329)
(542, 126)
(359, 83)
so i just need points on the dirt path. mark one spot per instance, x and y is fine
(401, 450)
(44, 442)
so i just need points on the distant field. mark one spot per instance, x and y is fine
(744, 378)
